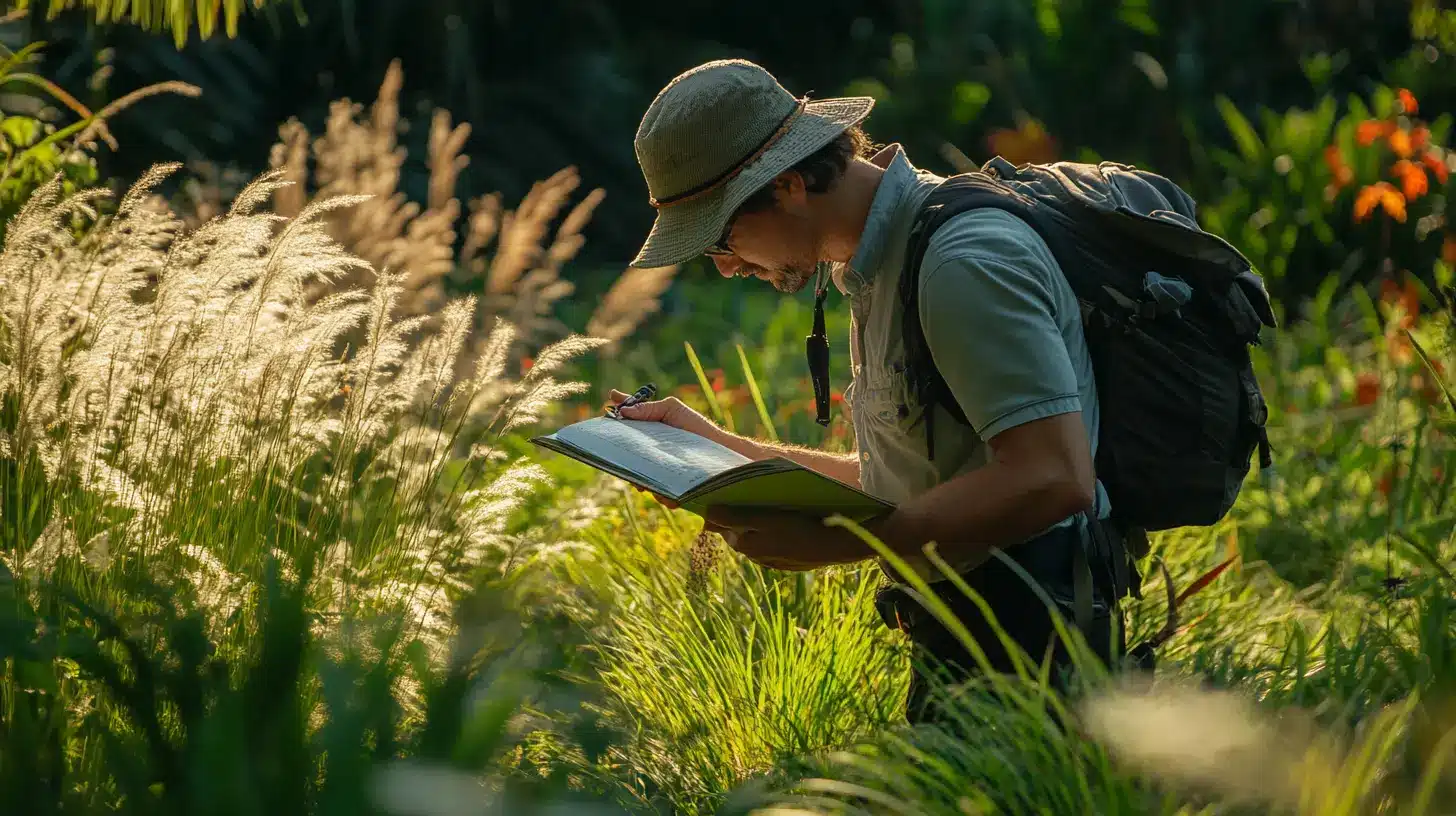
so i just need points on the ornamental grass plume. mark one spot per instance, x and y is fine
(183, 402)
(521, 282)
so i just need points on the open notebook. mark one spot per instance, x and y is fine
(698, 473)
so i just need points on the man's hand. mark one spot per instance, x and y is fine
(670, 411)
(788, 540)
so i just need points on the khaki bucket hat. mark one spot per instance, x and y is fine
(716, 135)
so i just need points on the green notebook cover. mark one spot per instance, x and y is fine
(697, 473)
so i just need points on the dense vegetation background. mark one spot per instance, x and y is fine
(274, 539)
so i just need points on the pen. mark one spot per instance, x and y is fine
(642, 394)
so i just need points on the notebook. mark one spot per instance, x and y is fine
(698, 473)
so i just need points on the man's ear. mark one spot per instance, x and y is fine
(790, 190)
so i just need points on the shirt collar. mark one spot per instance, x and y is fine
(899, 176)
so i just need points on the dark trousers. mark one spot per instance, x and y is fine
(1019, 612)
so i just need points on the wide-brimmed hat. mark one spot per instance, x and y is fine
(716, 135)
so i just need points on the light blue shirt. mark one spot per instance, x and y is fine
(1001, 321)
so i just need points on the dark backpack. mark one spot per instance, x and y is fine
(1169, 312)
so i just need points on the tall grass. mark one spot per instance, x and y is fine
(722, 679)
(221, 518)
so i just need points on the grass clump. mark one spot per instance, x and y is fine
(228, 530)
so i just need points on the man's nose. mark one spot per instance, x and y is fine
(728, 265)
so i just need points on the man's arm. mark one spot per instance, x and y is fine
(989, 307)
(672, 411)
(1040, 473)
(841, 466)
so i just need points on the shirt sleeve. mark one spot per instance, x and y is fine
(989, 308)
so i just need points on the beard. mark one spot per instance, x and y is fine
(789, 279)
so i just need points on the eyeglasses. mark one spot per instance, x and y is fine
(720, 247)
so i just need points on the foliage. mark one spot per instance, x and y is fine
(1299, 193)
(34, 149)
(176, 16)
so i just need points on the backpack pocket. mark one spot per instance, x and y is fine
(1172, 412)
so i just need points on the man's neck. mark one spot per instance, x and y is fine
(847, 210)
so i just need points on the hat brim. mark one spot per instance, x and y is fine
(683, 231)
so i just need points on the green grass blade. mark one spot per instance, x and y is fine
(1431, 368)
(763, 416)
(707, 387)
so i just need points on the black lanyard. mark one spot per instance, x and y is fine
(816, 347)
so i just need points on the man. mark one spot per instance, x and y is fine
(771, 186)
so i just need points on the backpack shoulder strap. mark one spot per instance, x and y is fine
(954, 196)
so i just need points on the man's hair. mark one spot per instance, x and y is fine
(821, 169)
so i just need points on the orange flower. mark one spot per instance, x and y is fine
(1367, 388)
(1400, 143)
(1371, 129)
(1381, 193)
(1420, 137)
(1412, 179)
(1385, 485)
(836, 397)
(1341, 172)
(526, 363)
(1407, 101)
(1029, 142)
(1436, 163)
(717, 381)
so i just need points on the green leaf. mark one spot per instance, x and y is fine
(1431, 367)
(1384, 102)
(1048, 20)
(703, 382)
(968, 99)
(763, 414)
(1139, 20)
(1369, 312)
(1244, 136)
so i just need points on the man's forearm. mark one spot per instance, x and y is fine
(841, 466)
(993, 506)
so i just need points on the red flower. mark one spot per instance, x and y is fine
(1367, 388)
(1413, 182)
(1371, 129)
(1436, 163)
(1407, 102)
(1420, 137)
(836, 397)
(526, 363)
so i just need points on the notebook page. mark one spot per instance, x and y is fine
(677, 460)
